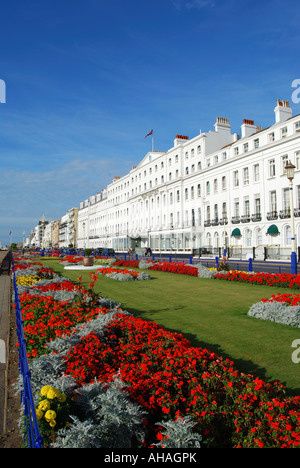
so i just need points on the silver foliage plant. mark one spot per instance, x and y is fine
(109, 419)
(276, 312)
(179, 434)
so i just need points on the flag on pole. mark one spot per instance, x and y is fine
(150, 133)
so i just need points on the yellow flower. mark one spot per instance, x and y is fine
(44, 405)
(53, 393)
(39, 414)
(52, 423)
(50, 415)
(45, 390)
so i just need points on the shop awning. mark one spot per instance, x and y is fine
(236, 232)
(273, 229)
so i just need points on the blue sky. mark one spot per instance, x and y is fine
(86, 80)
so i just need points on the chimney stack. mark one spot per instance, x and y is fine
(248, 128)
(282, 111)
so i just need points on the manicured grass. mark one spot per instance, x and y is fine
(211, 314)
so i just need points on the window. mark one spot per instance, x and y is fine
(215, 185)
(199, 190)
(170, 161)
(224, 156)
(273, 201)
(176, 158)
(246, 206)
(178, 195)
(272, 168)
(199, 166)
(297, 126)
(186, 194)
(283, 132)
(256, 172)
(236, 151)
(246, 147)
(207, 188)
(216, 159)
(297, 159)
(286, 199)
(257, 204)
(271, 137)
(246, 175)
(199, 149)
(187, 170)
(256, 143)
(192, 193)
(236, 208)
(193, 168)
(236, 178)
(224, 183)
(284, 161)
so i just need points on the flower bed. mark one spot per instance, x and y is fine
(135, 383)
(122, 275)
(280, 308)
(284, 280)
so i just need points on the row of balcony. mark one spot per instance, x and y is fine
(282, 214)
(256, 217)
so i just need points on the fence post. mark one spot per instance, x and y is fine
(217, 262)
(170, 258)
(191, 259)
(250, 268)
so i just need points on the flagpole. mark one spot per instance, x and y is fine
(152, 140)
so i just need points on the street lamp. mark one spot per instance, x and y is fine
(224, 235)
(290, 172)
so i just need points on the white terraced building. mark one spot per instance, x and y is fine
(215, 188)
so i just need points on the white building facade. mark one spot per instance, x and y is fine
(214, 189)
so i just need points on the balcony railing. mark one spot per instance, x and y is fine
(245, 218)
(215, 222)
(235, 219)
(256, 217)
(272, 215)
(283, 214)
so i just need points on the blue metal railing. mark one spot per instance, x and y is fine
(240, 265)
(32, 437)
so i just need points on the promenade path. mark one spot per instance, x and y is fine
(5, 294)
(9, 369)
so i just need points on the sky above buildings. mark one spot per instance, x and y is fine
(86, 80)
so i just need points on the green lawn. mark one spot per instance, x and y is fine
(211, 314)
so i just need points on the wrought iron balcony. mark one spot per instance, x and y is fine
(235, 219)
(207, 223)
(215, 222)
(272, 215)
(245, 218)
(256, 217)
(283, 214)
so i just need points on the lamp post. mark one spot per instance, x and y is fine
(224, 235)
(290, 172)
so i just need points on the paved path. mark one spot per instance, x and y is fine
(5, 295)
